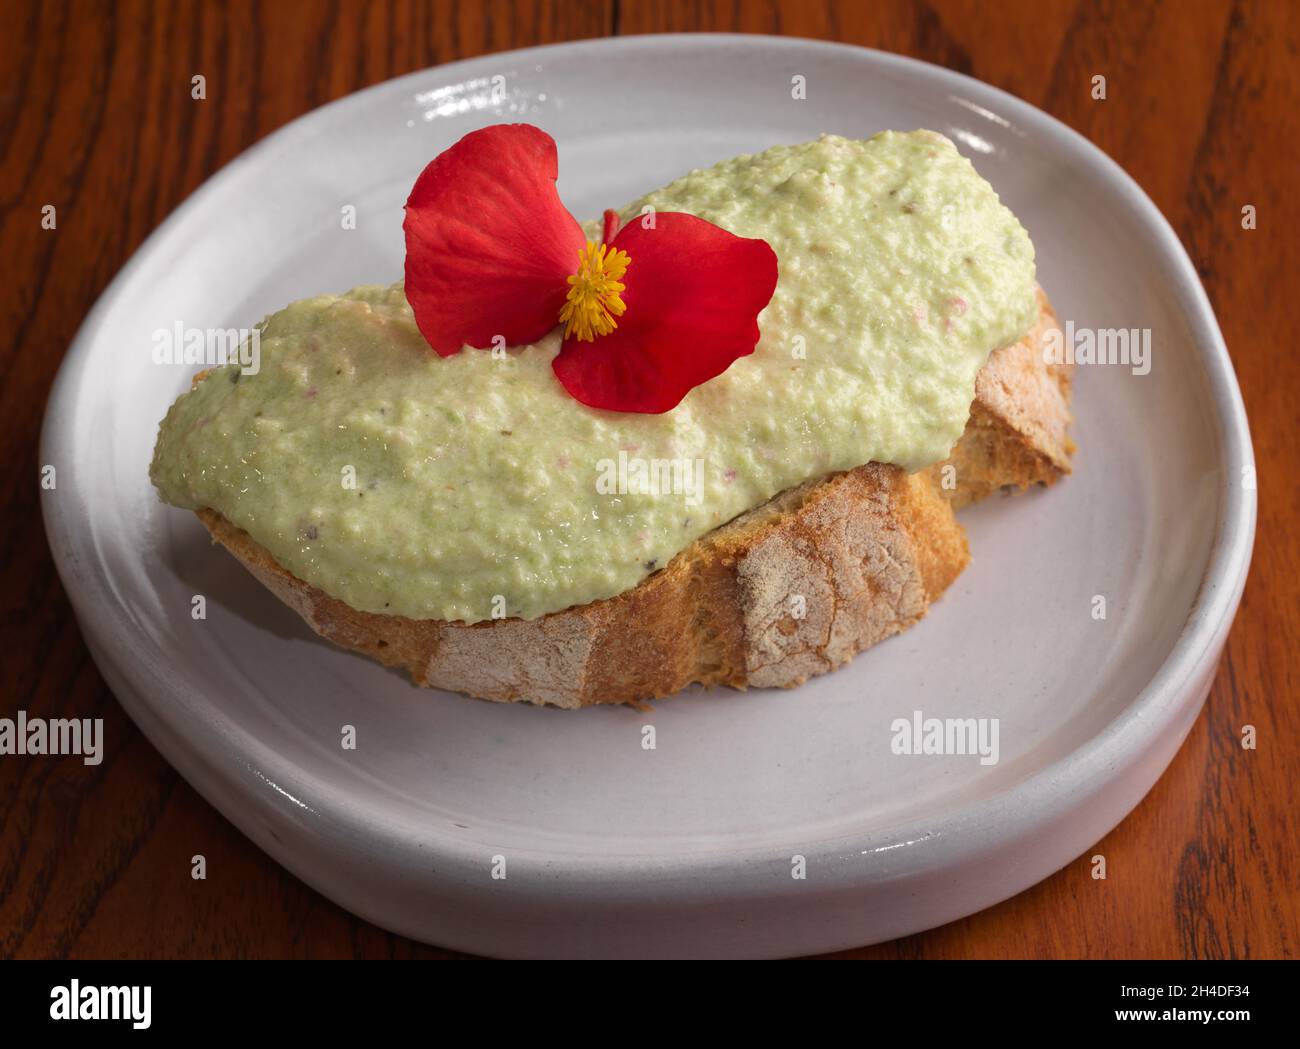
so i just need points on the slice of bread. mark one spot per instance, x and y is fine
(793, 588)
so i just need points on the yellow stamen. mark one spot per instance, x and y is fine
(593, 303)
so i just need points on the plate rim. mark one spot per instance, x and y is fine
(1044, 795)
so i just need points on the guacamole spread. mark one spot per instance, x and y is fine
(474, 487)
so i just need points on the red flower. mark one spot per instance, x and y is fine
(659, 307)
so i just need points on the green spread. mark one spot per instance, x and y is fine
(473, 487)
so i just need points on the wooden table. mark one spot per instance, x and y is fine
(96, 118)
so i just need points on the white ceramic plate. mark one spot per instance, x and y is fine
(612, 849)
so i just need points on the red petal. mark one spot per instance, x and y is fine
(488, 243)
(694, 292)
(611, 226)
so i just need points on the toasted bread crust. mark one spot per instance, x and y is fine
(791, 589)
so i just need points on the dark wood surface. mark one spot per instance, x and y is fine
(96, 118)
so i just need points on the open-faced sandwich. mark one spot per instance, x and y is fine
(717, 437)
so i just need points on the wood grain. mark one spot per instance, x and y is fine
(96, 118)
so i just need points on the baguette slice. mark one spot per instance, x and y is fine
(792, 588)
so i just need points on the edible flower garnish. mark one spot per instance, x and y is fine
(651, 311)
